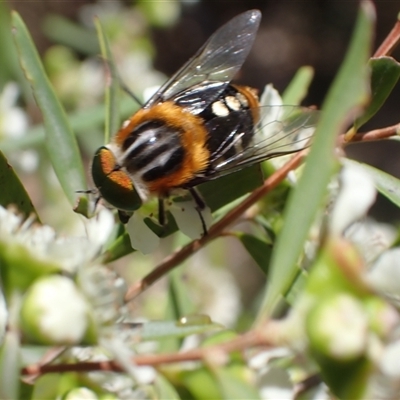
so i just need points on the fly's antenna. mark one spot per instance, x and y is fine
(87, 191)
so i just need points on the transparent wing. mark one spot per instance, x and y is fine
(281, 130)
(217, 61)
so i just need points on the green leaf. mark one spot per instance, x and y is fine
(297, 288)
(387, 184)
(26, 391)
(60, 141)
(178, 296)
(112, 119)
(385, 73)
(258, 249)
(347, 94)
(201, 383)
(83, 207)
(164, 389)
(118, 249)
(51, 386)
(12, 191)
(219, 192)
(297, 90)
(10, 365)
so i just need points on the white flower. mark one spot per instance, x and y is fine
(30, 245)
(141, 236)
(189, 219)
(13, 120)
(371, 238)
(357, 194)
(105, 291)
(14, 124)
(284, 128)
(385, 384)
(384, 275)
(99, 228)
(54, 311)
(272, 101)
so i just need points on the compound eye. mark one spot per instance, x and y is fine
(114, 185)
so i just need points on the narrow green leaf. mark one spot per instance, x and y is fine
(385, 73)
(297, 90)
(201, 384)
(164, 389)
(347, 94)
(179, 300)
(387, 184)
(118, 249)
(297, 287)
(112, 119)
(60, 141)
(10, 365)
(258, 249)
(26, 391)
(12, 191)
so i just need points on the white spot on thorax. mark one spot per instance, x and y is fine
(242, 98)
(219, 109)
(233, 103)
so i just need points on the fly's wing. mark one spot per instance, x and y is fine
(216, 62)
(281, 130)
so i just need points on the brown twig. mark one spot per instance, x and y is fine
(390, 42)
(251, 339)
(374, 135)
(52, 354)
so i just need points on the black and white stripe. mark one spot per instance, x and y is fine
(153, 151)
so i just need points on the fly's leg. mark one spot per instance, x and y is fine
(124, 216)
(200, 206)
(162, 220)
